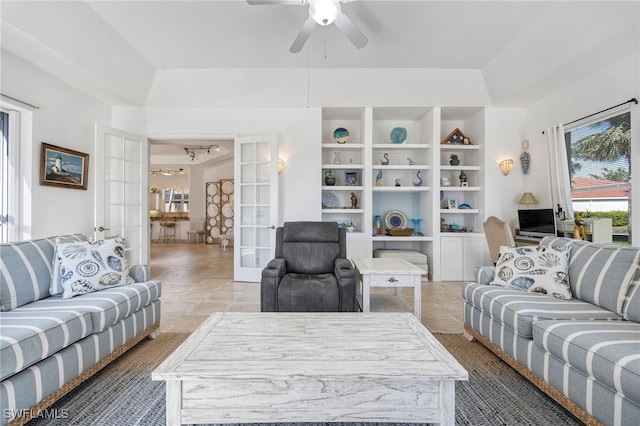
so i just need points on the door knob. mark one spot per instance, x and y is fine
(102, 229)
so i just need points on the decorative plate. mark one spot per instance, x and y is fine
(227, 211)
(395, 219)
(227, 187)
(398, 135)
(212, 210)
(329, 200)
(341, 135)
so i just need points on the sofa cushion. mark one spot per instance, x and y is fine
(310, 293)
(28, 337)
(106, 307)
(533, 269)
(518, 310)
(56, 280)
(608, 351)
(600, 274)
(86, 267)
(25, 271)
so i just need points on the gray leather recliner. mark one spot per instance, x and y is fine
(310, 271)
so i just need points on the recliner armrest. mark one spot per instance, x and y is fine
(275, 268)
(344, 268)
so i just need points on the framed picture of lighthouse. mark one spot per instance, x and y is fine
(63, 167)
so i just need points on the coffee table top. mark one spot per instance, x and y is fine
(385, 265)
(316, 345)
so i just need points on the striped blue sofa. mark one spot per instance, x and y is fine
(583, 352)
(49, 345)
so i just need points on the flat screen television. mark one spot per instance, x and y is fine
(537, 222)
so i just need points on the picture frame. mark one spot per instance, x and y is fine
(452, 203)
(63, 167)
(351, 178)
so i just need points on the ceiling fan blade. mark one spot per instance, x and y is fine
(352, 32)
(285, 2)
(303, 35)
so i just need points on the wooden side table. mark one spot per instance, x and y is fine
(388, 272)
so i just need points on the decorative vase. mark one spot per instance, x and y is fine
(329, 178)
(336, 157)
(378, 225)
(454, 161)
(416, 227)
(418, 181)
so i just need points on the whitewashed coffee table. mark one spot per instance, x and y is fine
(310, 367)
(389, 272)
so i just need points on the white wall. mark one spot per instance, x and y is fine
(299, 131)
(65, 118)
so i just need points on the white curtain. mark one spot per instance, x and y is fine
(559, 170)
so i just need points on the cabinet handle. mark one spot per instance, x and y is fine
(392, 280)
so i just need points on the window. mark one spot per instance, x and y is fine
(175, 200)
(599, 156)
(9, 178)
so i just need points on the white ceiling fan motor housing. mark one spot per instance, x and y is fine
(324, 12)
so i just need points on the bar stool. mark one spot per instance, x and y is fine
(167, 231)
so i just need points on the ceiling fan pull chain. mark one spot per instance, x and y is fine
(325, 44)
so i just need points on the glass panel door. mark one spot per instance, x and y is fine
(256, 169)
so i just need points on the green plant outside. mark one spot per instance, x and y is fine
(618, 217)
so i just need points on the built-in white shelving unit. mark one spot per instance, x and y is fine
(406, 177)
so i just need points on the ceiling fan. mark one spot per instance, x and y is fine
(322, 12)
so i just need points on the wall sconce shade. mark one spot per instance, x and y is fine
(281, 165)
(528, 198)
(506, 166)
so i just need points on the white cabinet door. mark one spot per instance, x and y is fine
(451, 254)
(461, 256)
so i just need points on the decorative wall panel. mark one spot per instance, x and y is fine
(220, 219)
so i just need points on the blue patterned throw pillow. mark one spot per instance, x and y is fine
(534, 269)
(86, 267)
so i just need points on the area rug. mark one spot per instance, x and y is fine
(124, 394)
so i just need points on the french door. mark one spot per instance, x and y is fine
(256, 205)
(121, 190)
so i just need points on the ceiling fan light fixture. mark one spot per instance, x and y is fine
(324, 12)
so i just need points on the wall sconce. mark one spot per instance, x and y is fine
(281, 165)
(506, 166)
(528, 198)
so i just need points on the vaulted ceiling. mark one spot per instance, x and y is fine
(116, 49)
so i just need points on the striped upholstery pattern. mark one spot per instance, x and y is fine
(106, 307)
(600, 274)
(25, 271)
(35, 383)
(518, 310)
(601, 401)
(36, 330)
(607, 351)
(26, 338)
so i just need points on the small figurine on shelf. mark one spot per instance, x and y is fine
(463, 178)
(379, 178)
(454, 160)
(444, 226)
(354, 201)
(385, 161)
(398, 183)
(411, 162)
(579, 232)
(418, 181)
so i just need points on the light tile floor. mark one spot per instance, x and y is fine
(197, 280)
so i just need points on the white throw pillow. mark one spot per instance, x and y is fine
(55, 287)
(86, 267)
(534, 269)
